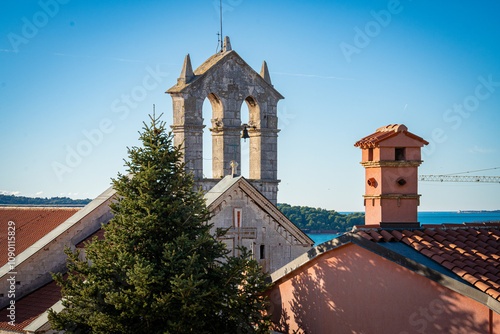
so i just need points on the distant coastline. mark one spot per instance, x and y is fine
(478, 211)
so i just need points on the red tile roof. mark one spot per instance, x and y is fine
(470, 250)
(31, 307)
(31, 223)
(384, 133)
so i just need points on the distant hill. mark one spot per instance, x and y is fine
(6, 200)
(312, 220)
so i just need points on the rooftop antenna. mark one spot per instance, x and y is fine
(221, 35)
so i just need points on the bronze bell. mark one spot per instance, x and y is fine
(244, 134)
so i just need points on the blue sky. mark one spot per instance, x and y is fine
(81, 76)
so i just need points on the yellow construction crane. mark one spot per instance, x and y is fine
(461, 178)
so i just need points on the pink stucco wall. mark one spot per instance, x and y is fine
(373, 214)
(352, 290)
(387, 180)
(404, 212)
(390, 211)
(386, 183)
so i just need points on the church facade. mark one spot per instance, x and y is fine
(248, 210)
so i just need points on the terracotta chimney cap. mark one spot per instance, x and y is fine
(393, 127)
(384, 133)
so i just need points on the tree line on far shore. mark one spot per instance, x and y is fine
(56, 201)
(306, 218)
(311, 219)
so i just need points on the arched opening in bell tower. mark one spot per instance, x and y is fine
(250, 115)
(245, 143)
(212, 116)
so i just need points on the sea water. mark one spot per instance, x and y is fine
(432, 217)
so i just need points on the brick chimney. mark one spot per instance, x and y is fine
(391, 157)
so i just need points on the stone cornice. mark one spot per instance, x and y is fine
(391, 163)
(181, 127)
(257, 131)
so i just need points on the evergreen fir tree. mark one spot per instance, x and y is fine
(159, 270)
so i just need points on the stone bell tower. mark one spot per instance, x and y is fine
(228, 82)
(391, 157)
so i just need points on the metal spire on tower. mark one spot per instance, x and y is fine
(221, 35)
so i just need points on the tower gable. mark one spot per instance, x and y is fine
(230, 64)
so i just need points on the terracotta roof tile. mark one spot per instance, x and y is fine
(375, 235)
(460, 244)
(481, 250)
(480, 242)
(493, 270)
(418, 246)
(365, 235)
(427, 252)
(482, 286)
(32, 306)
(387, 236)
(459, 271)
(471, 279)
(482, 237)
(495, 284)
(430, 232)
(472, 251)
(492, 243)
(438, 258)
(31, 223)
(419, 233)
(466, 232)
(492, 292)
(448, 265)
(447, 257)
(493, 262)
(398, 235)
(439, 238)
(494, 256)
(470, 263)
(485, 272)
